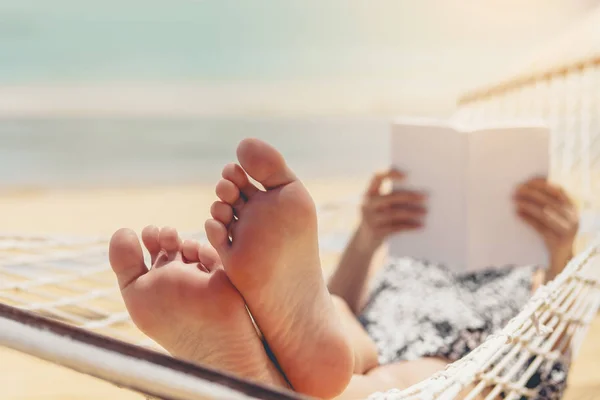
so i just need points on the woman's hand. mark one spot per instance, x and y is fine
(386, 214)
(550, 211)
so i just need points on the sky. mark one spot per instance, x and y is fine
(291, 56)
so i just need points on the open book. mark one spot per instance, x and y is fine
(470, 177)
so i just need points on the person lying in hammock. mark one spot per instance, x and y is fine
(194, 300)
(475, 304)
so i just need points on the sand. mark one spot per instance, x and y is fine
(100, 212)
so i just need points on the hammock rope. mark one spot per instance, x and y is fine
(565, 308)
(550, 327)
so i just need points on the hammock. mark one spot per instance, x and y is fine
(69, 281)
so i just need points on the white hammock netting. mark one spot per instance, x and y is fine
(70, 281)
(552, 324)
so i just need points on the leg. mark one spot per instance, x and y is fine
(399, 376)
(186, 303)
(270, 252)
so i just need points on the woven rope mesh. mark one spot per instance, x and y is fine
(66, 280)
(69, 279)
(551, 326)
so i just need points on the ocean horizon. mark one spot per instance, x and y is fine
(48, 153)
(119, 93)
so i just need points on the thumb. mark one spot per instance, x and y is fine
(379, 177)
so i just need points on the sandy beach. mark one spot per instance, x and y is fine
(100, 212)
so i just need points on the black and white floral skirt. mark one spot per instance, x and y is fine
(418, 309)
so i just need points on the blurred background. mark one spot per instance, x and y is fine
(138, 93)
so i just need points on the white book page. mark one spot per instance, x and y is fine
(434, 159)
(499, 160)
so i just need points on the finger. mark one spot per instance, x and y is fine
(532, 209)
(533, 222)
(550, 223)
(536, 195)
(560, 221)
(560, 225)
(539, 227)
(397, 199)
(377, 180)
(546, 201)
(565, 210)
(553, 191)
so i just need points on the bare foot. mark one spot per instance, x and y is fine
(187, 304)
(270, 252)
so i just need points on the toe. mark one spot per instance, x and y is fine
(126, 257)
(222, 212)
(227, 191)
(264, 163)
(150, 239)
(218, 237)
(234, 173)
(209, 257)
(190, 250)
(169, 241)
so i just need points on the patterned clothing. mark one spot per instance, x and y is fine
(418, 309)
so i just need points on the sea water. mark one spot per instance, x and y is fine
(88, 152)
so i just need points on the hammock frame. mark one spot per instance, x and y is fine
(126, 365)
